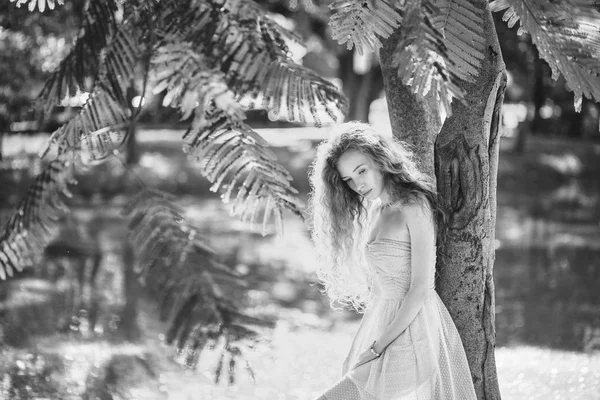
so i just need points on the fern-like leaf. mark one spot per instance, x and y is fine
(99, 127)
(83, 61)
(249, 48)
(232, 156)
(566, 36)
(441, 42)
(422, 60)
(40, 4)
(360, 23)
(236, 160)
(95, 129)
(189, 82)
(179, 267)
(461, 24)
(33, 224)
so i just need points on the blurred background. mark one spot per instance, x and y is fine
(79, 325)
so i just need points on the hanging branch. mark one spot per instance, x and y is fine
(177, 266)
(361, 23)
(237, 38)
(33, 224)
(232, 156)
(566, 36)
(99, 127)
(84, 60)
(441, 42)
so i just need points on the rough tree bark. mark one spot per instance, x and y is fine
(462, 155)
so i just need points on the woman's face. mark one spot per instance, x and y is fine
(361, 174)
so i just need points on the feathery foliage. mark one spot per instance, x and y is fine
(461, 23)
(566, 34)
(178, 266)
(83, 60)
(236, 160)
(33, 224)
(202, 66)
(231, 154)
(96, 129)
(237, 37)
(440, 44)
(212, 60)
(421, 55)
(41, 4)
(359, 23)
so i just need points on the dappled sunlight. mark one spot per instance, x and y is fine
(569, 240)
(513, 114)
(30, 291)
(301, 363)
(159, 164)
(25, 144)
(566, 163)
(540, 374)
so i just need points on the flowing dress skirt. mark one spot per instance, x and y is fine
(425, 362)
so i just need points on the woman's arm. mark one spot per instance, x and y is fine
(422, 239)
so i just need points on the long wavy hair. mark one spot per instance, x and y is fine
(340, 215)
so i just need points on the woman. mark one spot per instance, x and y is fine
(374, 228)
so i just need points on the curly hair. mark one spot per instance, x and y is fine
(339, 214)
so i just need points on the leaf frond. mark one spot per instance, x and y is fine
(83, 60)
(423, 61)
(100, 126)
(250, 49)
(190, 84)
(236, 160)
(184, 272)
(360, 23)
(33, 224)
(96, 131)
(566, 36)
(40, 4)
(461, 24)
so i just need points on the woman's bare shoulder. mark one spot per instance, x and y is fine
(393, 223)
(417, 209)
(418, 215)
(402, 214)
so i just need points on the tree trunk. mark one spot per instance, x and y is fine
(131, 289)
(463, 157)
(539, 92)
(523, 132)
(132, 155)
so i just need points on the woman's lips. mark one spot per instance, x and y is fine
(366, 193)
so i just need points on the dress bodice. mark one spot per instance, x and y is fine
(389, 260)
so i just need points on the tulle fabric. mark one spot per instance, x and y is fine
(427, 361)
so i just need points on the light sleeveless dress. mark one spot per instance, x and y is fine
(426, 362)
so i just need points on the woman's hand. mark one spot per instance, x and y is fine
(364, 357)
